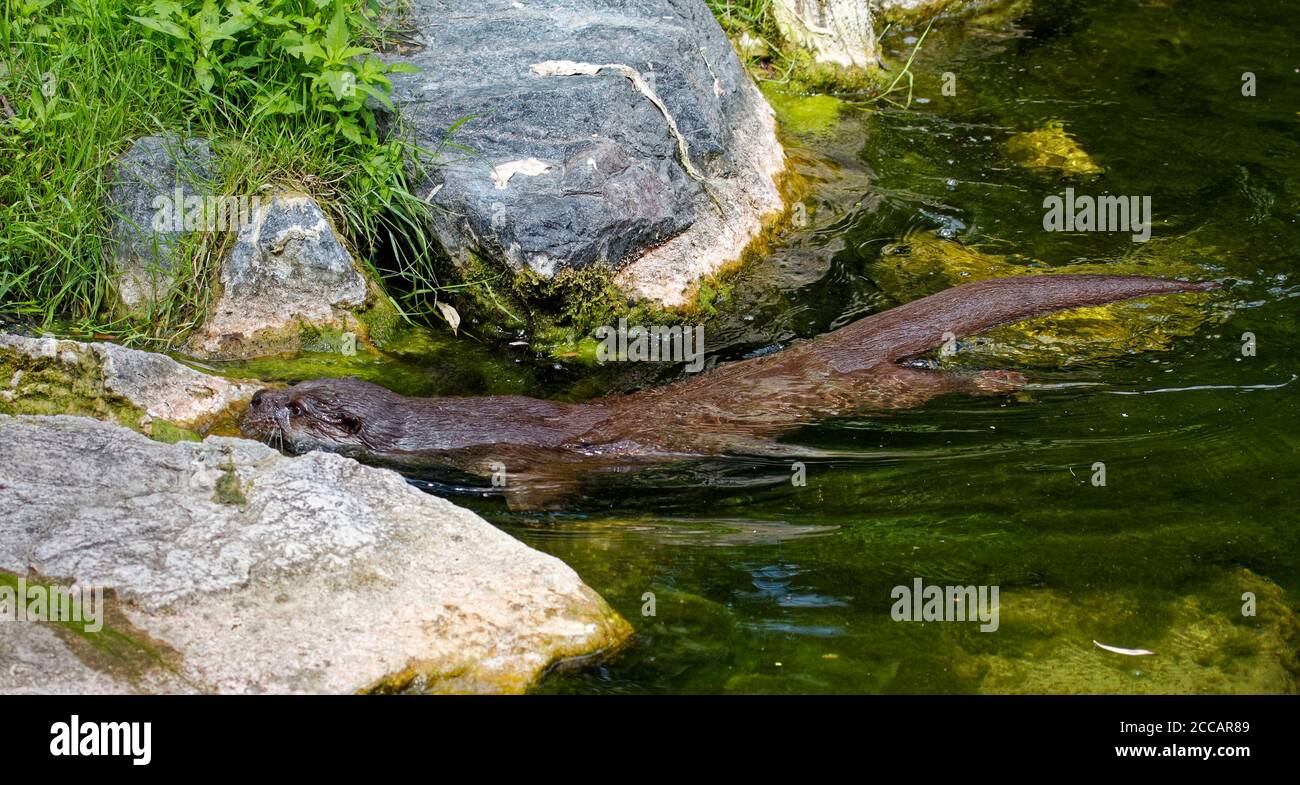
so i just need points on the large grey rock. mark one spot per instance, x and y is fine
(46, 375)
(286, 270)
(240, 570)
(620, 134)
(145, 239)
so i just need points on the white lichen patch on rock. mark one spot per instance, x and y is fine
(530, 167)
(250, 572)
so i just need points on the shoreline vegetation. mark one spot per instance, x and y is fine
(285, 90)
(291, 95)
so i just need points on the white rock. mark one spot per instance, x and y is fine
(300, 575)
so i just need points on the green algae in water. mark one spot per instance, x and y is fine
(1050, 147)
(1199, 441)
(804, 115)
(415, 361)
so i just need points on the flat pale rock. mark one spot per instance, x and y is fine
(235, 569)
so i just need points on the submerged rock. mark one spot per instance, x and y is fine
(146, 245)
(1050, 147)
(625, 137)
(142, 390)
(231, 568)
(287, 272)
(923, 263)
(1206, 646)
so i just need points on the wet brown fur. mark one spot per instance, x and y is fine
(736, 408)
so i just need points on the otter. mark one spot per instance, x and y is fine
(736, 408)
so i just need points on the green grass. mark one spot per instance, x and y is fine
(749, 12)
(84, 78)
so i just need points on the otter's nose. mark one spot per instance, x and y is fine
(258, 396)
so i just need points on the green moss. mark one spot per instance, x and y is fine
(117, 648)
(416, 360)
(567, 344)
(481, 294)
(229, 491)
(324, 338)
(801, 114)
(581, 299)
(713, 293)
(71, 383)
(170, 433)
(381, 320)
(567, 308)
(809, 76)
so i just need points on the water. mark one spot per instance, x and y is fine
(763, 586)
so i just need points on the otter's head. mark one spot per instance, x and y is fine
(326, 414)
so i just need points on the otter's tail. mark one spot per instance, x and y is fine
(927, 323)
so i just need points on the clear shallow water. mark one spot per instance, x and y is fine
(761, 586)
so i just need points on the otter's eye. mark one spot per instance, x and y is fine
(295, 409)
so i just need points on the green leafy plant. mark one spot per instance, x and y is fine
(287, 57)
(286, 91)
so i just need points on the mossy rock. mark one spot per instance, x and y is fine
(1050, 147)
(924, 263)
(1204, 643)
(51, 377)
(117, 647)
(69, 383)
(558, 315)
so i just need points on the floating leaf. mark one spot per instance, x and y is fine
(450, 314)
(1118, 650)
